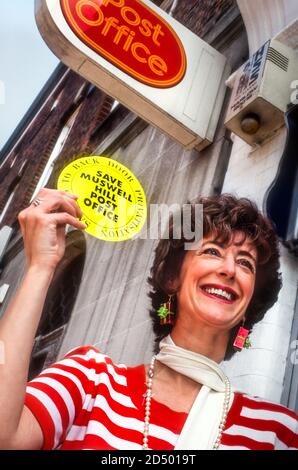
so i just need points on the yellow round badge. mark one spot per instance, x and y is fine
(111, 198)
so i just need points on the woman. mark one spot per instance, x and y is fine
(182, 400)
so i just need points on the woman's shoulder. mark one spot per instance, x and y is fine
(91, 357)
(261, 424)
(86, 351)
(268, 416)
(254, 405)
(83, 350)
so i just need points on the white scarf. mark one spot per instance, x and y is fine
(201, 427)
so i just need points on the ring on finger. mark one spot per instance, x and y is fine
(36, 202)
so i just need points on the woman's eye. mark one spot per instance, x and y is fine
(212, 251)
(247, 264)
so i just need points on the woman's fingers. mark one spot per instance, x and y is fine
(52, 202)
(72, 196)
(60, 204)
(38, 218)
(43, 226)
(46, 193)
(60, 201)
(63, 218)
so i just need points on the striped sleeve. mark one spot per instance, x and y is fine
(261, 425)
(293, 445)
(57, 395)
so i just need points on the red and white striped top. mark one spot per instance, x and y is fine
(85, 401)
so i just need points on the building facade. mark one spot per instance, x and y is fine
(99, 293)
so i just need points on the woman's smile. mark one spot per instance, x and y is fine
(219, 293)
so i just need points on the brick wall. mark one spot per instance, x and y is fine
(32, 153)
(94, 108)
(23, 168)
(201, 15)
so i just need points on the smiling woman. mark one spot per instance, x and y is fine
(232, 276)
(182, 399)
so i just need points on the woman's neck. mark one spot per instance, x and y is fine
(203, 340)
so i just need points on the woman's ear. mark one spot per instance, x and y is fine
(172, 286)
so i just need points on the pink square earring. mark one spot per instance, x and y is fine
(242, 339)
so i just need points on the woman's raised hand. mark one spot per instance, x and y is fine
(43, 227)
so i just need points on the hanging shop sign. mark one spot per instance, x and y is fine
(131, 36)
(111, 198)
(144, 58)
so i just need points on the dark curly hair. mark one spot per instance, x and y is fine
(222, 215)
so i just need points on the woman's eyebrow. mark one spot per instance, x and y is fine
(248, 254)
(241, 252)
(215, 242)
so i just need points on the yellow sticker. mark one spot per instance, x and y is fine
(111, 198)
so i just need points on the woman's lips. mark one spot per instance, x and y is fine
(215, 297)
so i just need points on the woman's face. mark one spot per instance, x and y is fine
(217, 282)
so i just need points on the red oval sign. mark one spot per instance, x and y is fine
(131, 36)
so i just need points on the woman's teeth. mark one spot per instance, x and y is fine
(219, 292)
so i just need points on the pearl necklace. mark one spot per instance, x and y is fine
(148, 396)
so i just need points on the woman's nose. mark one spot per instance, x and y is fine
(227, 266)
